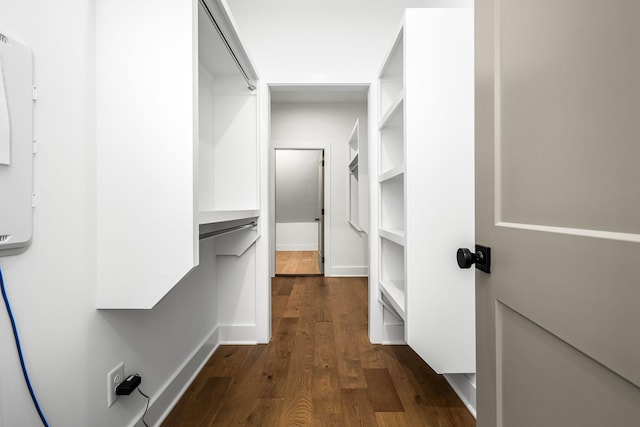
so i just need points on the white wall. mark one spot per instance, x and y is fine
(70, 346)
(296, 236)
(327, 125)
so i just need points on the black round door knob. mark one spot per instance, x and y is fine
(466, 258)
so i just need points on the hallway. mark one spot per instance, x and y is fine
(319, 369)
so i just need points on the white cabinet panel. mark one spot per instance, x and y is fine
(426, 199)
(146, 69)
(176, 142)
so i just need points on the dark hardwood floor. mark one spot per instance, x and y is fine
(319, 370)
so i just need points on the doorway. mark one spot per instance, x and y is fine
(319, 117)
(299, 212)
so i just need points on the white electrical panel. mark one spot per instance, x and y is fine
(17, 146)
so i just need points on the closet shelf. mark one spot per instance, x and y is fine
(390, 174)
(395, 235)
(394, 294)
(211, 217)
(355, 226)
(395, 108)
(353, 165)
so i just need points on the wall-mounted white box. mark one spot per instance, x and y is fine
(16, 145)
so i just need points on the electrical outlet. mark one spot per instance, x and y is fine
(114, 377)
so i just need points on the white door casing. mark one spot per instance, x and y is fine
(320, 213)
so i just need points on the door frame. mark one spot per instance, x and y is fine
(326, 147)
(326, 150)
(265, 246)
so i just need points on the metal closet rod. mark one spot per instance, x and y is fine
(251, 86)
(227, 230)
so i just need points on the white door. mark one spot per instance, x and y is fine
(558, 201)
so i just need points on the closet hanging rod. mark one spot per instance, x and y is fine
(227, 230)
(245, 76)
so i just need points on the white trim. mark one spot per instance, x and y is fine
(296, 247)
(465, 389)
(376, 327)
(326, 147)
(264, 256)
(172, 391)
(346, 271)
(238, 334)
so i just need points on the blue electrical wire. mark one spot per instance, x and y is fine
(19, 347)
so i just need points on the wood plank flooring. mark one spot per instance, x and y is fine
(319, 370)
(295, 263)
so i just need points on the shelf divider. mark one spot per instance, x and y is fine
(395, 235)
(390, 174)
(395, 295)
(393, 109)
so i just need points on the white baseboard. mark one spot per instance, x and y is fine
(296, 247)
(347, 271)
(163, 402)
(238, 334)
(465, 389)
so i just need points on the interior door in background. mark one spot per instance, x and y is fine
(320, 213)
(557, 200)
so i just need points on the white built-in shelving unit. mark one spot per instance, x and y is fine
(391, 179)
(228, 134)
(354, 181)
(425, 185)
(177, 143)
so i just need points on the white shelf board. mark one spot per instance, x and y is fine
(353, 164)
(393, 109)
(355, 226)
(353, 138)
(388, 58)
(209, 217)
(390, 174)
(395, 235)
(393, 292)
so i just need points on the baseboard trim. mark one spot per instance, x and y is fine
(238, 334)
(297, 247)
(465, 389)
(347, 271)
(166, 399)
